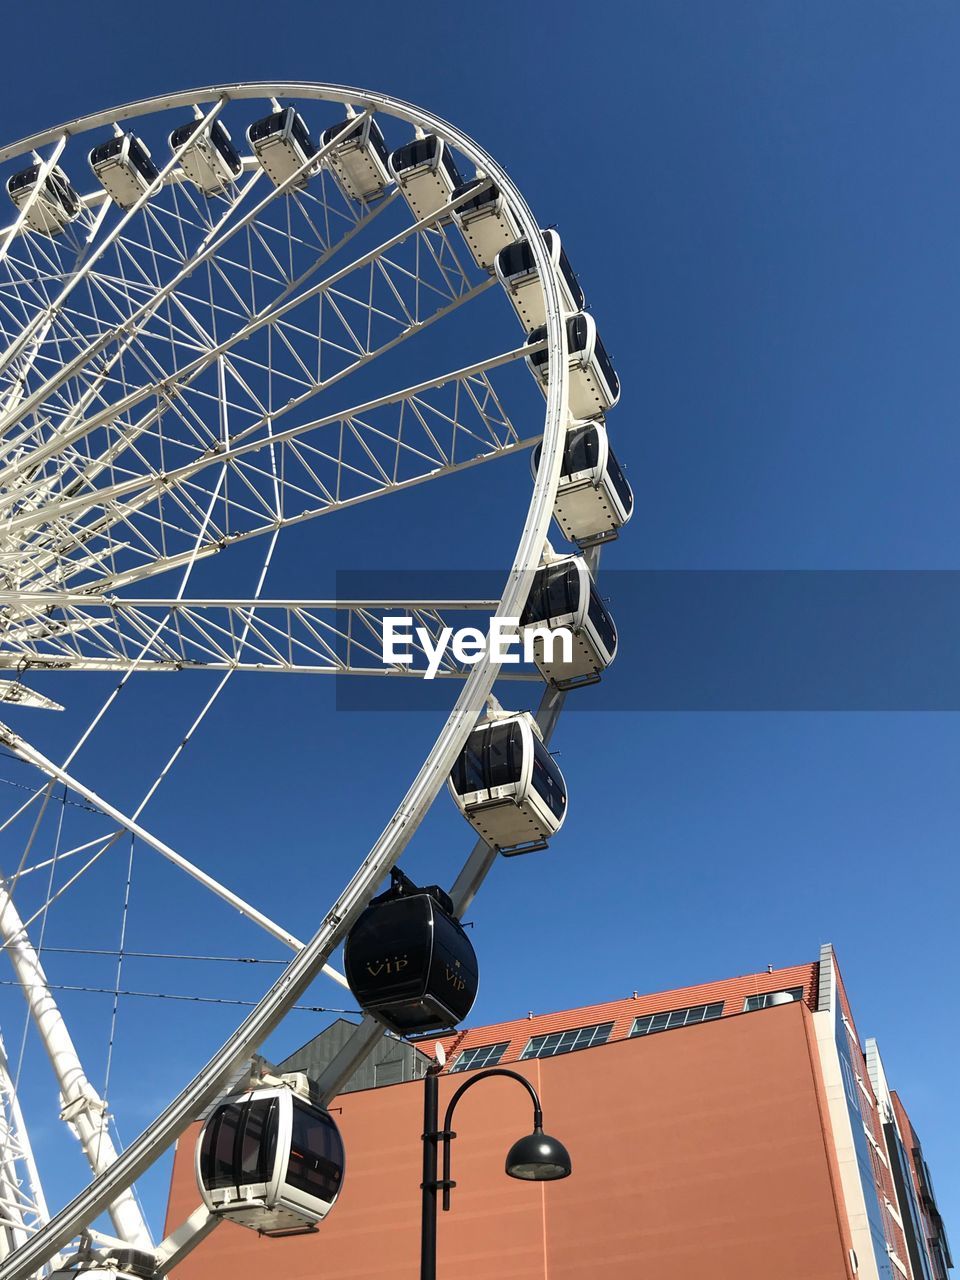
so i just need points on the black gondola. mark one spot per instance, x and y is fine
(360, 159)
(594, 499)
(55, 205)
(426, 174)
(124, 169)
(507, 785)
(211, 161)
(485, 221)
(517, 272)
(409, 961)
(594, 385)
(282, 144)
(270, 1160)
(563, 596)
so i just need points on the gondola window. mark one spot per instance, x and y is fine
(316, 1154)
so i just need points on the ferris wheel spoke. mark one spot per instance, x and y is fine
(392, 297)
(77, 278)
(332, 637)
(224, 230)
(448, 424)
(31, 755)
(463, 401)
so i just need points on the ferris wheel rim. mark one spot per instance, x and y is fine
(421, 793)
(364, 99)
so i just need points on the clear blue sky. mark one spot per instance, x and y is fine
(763, 203)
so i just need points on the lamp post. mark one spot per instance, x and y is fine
(534, 1158)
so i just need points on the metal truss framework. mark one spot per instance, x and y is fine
(332, 637)
(23, 1207)
(159, 368)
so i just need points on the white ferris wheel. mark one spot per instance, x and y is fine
(224, 313)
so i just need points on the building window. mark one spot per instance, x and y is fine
(770, 997)
(484, 1055)
(389, 1072)
(651, 1022)
(566, 1041)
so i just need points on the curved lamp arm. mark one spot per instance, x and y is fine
(447, 1134)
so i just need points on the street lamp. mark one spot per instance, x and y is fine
(534, 1158)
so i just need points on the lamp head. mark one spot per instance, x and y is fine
(538, 1158)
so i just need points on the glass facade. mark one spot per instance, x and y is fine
(909, 1208)
(862, 1148)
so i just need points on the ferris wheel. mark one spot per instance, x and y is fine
(225, 313)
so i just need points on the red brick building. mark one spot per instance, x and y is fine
(759, 1140)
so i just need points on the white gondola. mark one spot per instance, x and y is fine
(508, 786)
(426, 174)
(114, 1264)
(360, 160)
(563, 596)
(55, 205)
(485, 221)
(211, 161)
(594, 499)
(517, 272)
(282, 144)
(594, 385)
(271, 1160)
(124, 169)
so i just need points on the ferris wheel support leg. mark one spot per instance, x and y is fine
(82, 1109)
(24, 751)
(352, 1053)
(185, 1238)
(24, 1203)
(13, 1224)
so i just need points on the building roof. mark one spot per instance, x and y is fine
(732, 992)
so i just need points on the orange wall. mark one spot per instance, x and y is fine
(697, 1153)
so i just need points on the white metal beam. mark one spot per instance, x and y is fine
(81, 1106)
